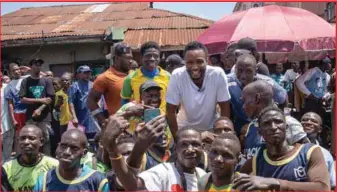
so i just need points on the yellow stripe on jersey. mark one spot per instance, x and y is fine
(281, 162)
(75, 181)
(310, 151)
(101, 185)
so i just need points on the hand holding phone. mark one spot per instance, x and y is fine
(150, 114)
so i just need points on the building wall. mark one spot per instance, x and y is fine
(69, 54)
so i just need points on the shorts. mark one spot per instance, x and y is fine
(21, 119)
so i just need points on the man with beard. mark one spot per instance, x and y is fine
(150, 57)
(17, 110)
(70, 175)
(245, 73)
(38, 93)
(280, 166)
(177, 176)
(110, 83)
(23, 171)
(198, 88)
(224, 155)
(256, 96)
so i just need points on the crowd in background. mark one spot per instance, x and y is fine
(224, 122)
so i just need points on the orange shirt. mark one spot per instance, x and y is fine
(110, 84)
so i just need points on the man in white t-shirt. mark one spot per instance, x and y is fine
(198, 88)
(180, 175)
(291, 74)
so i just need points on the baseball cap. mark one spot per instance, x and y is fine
(119, 49)
(36, 60)
(326, 60)
(83, 69)
(247, 43)
(149, 84)
(295, 131)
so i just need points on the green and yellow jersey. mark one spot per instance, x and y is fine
(23, 178)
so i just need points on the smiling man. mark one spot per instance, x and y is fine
(177, 176)
(23, 171)
(280, 166)
(198, 88)
(150, 58)
(70, 175)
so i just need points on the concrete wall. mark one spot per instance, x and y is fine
(58, 54)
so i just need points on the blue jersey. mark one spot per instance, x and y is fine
(78, 94)
(235, 90)
(89, 180)
(253, 140)
(12, 93)
(294, 168)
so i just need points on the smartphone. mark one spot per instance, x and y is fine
(150, 114)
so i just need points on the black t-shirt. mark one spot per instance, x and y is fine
(37, 88)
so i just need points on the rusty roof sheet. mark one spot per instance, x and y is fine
(141, 23)
(164, 37)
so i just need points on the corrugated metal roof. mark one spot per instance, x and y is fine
(141, 23)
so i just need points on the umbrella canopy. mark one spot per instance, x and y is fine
(276, 29)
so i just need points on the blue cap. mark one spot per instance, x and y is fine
(326, 60)
(83, 69)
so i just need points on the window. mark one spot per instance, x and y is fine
(330, 11)
(244, 6)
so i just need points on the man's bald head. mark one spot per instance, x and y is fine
(246, 59)
(33, 129)
(315, 115)
(262, 88)
(75, 134)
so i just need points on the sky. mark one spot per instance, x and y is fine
(208, 10)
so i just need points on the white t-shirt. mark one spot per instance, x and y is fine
(198, 106)
(290, 75)
(165, 177)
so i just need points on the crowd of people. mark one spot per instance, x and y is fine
(225, 122)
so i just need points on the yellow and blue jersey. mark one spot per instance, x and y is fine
(89, 180)
(293, 168)
(23, 178)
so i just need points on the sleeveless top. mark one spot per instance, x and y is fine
(294, 168)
